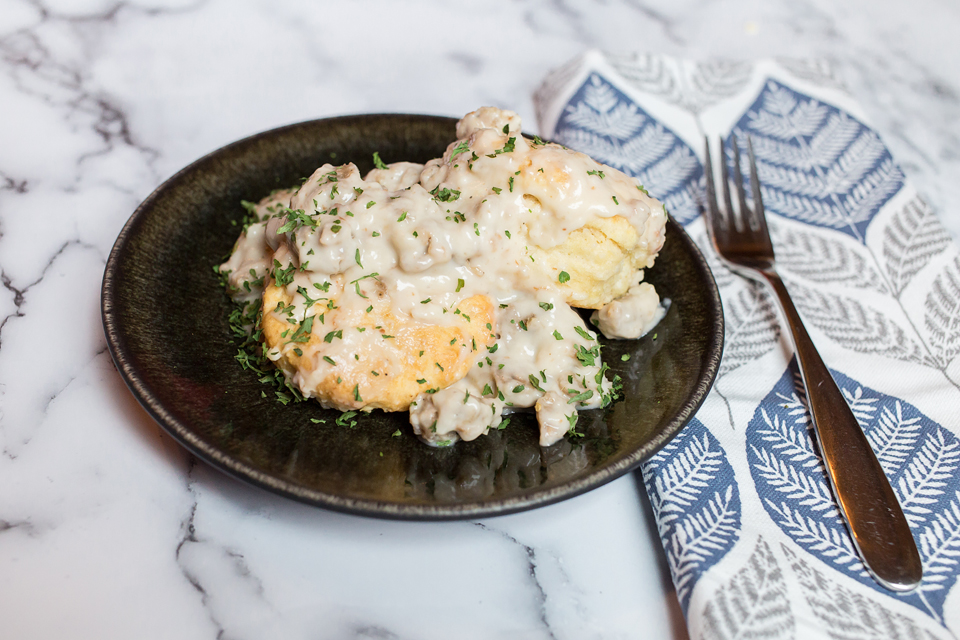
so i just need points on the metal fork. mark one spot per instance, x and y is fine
(880, 532)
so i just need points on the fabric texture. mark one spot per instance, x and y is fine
(754, 541)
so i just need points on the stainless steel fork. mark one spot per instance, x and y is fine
(880, 532)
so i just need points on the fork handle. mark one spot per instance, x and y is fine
(867, 501)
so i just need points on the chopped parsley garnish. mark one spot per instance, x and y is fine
(356, 283)
(556, 334)
(487, 391)
(295, 219)
(403, 216)
(563, 277)
(599, 377)
(546, 306)
(518, 388)
(459, 284)
(356, 393)
(584, 334)
(377, 162)
(494, 348)
(535, 383)
(625, 357)
(302, 333)
(463, 147)
(356, 256)
(345, 419)
(445, 194)
(572, 419)
(281, 276)
(497, 190)
(596, 173)
(510, 184)
(588, 356)
(330, 360)
(507, 148)
(333, 334)
(615, 201)
(581, 398)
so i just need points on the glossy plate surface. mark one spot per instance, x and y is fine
(165, 317)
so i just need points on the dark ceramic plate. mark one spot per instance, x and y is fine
(165, 317)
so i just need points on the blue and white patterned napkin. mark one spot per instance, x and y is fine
(752, 536)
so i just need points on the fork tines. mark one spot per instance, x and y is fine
(741, 223)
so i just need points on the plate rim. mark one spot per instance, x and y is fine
(236, 468)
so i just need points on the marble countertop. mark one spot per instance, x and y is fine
(108, 529)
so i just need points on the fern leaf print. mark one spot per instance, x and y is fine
(942, 317)
(696, 503)
(818, 164)
(753, 603)
(848, 615)
(913, 236)
(752, 329)
(920, 457)
(820, 257)
(854, 325)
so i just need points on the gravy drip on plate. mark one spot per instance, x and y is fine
(346, 258)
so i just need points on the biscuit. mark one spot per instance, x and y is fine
(380, 360)
(603, 254)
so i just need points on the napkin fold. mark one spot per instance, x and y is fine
(754, 541)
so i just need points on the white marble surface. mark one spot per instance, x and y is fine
(107, 528)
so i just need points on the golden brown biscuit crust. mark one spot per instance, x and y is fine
(416, 358)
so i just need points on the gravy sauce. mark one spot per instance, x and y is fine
(413, 242)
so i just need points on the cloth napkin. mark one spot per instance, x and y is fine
(754, 542)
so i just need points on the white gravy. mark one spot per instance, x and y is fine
(431, 236)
